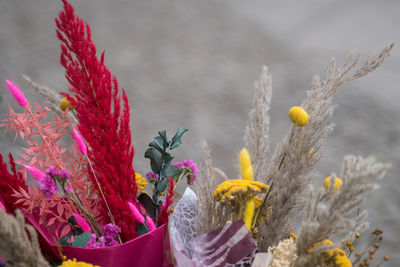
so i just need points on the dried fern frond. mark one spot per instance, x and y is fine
(211, 214)
(18, 246)
(296, 156)
(257, 130)
(330, 214)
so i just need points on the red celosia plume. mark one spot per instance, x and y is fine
(164, 214)
(8, 183)
(103, 123)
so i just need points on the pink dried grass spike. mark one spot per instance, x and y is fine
(82, 223)
(35, 172)
(150, 224)
(2, 206)
(17, 94)
(79, 141)
(135, 212)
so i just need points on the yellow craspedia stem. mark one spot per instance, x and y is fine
(140, 182)
(249, 213)
(74, 263)
(245, 165)
(64, 104)
(327, 183)
(298, 116)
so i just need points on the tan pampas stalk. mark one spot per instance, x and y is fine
(211, 215)
(257, 130)
(296, 156)
(329, 214)
(19, 243)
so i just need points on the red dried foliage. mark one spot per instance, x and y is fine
(44, 150)
(102, 121)
(10, 181)
(165, 211)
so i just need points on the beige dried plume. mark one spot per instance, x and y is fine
(330, 214)
(257, 130)
(296, 156)
(19, 243)
(211, 214)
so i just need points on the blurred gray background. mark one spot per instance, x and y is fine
(192, 64)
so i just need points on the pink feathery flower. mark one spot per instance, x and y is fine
(79, 141)
(82, 223)
(17, 94)
(2, 206)
(35, 172)
(150, 224)
(135, 212)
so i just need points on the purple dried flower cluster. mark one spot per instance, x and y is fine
(152, 176)
(54, 173)
(111, 232)
(47, 186)
(191, 166)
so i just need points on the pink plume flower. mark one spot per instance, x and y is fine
(82, 223)
(79, 141)
(2, 206)
(135, 212)
(35, 172)
(17, 94)
(150, 224)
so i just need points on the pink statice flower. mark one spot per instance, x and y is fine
(47, 186)
(152, 176)
(95, 242)
(110, 231)
(191, 167)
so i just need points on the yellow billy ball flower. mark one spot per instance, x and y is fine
(74, 263)
(140, 182)
(298, 116)
(327, 183)
(293, 236)
(245, 165)
(64, 103)
(341, 259)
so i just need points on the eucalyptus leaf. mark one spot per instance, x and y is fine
(148, 204)
(162, 185)
(156, 159)
(176, 140)
(81, 240)
(163, 135)
(167, 159)
(64, 240)
(172, 171)
(157, 143)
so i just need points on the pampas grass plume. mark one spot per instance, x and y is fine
(82, 223)
(135, 212)
(17, 94)
(35, 172)
(79, 141)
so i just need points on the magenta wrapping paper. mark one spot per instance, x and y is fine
(151, 249)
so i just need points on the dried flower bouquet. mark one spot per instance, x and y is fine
(87, 203)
